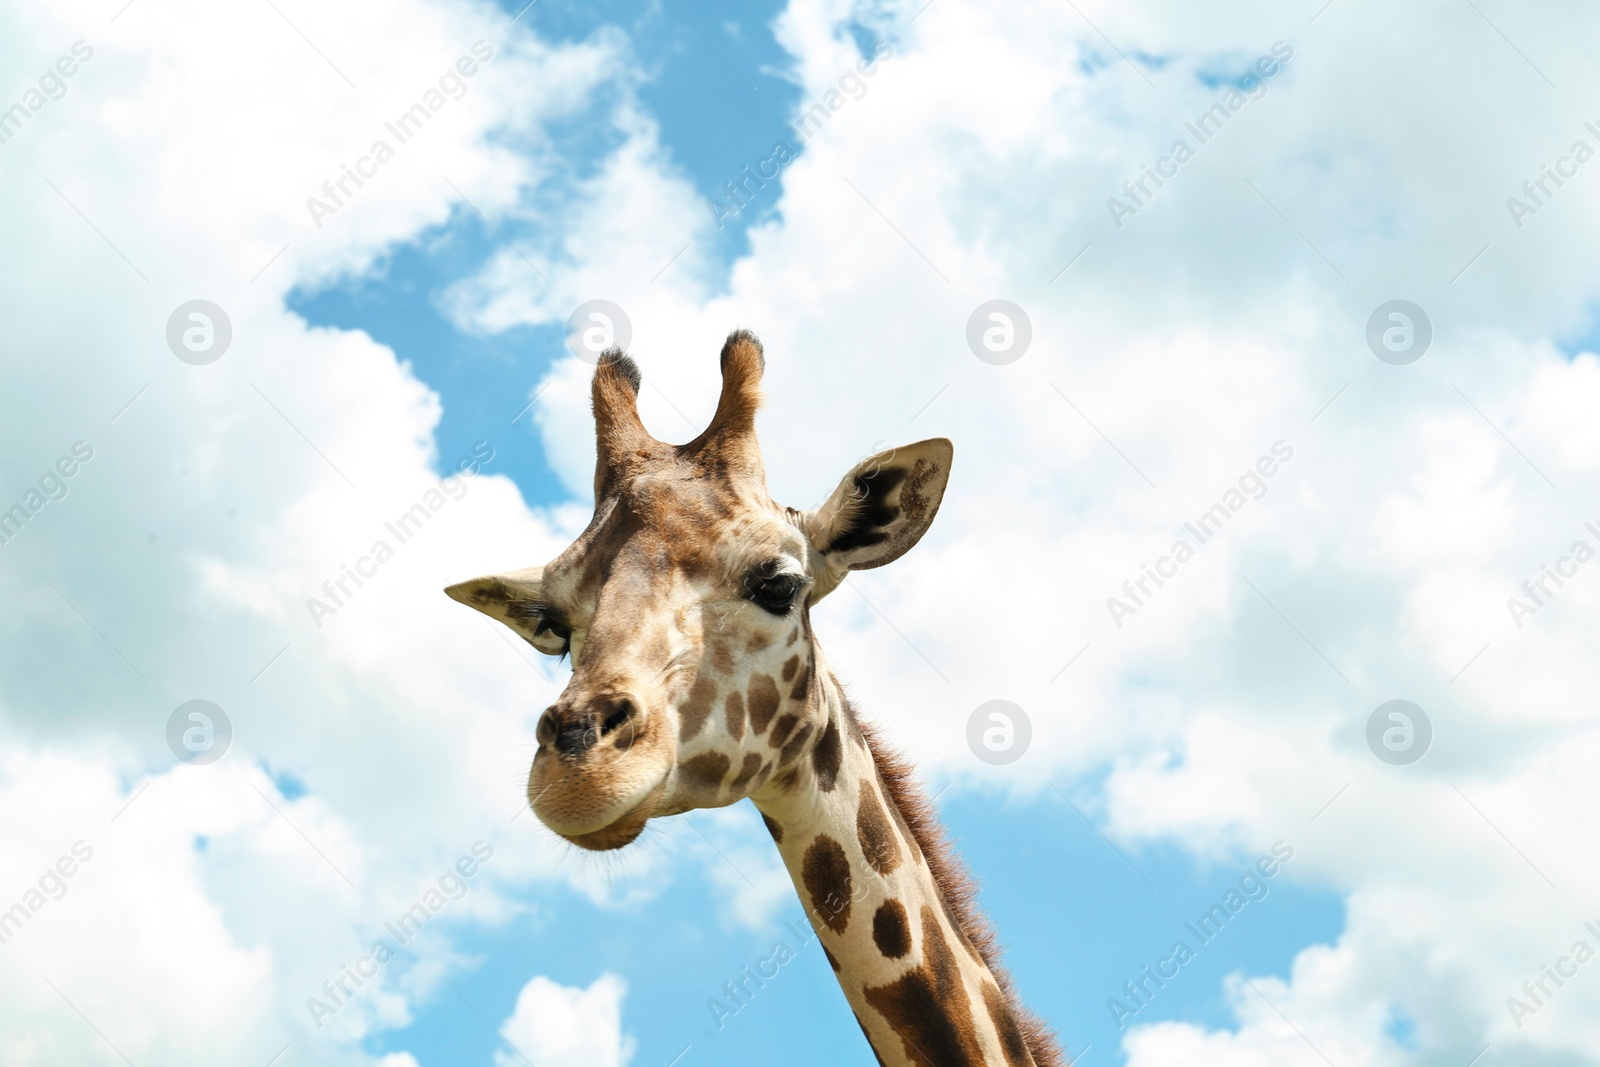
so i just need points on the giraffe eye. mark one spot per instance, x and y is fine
(550, 635)
(774, 592)
(552, 638)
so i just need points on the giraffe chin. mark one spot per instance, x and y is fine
(620, 831)
(618, 835)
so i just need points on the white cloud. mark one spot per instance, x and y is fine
(1220, 319)
(568, 1026)
(180, 561)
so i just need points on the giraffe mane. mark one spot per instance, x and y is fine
(955, 881)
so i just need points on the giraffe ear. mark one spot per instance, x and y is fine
(514, 599)
(881, 508)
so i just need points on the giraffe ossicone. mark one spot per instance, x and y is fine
(697, 682)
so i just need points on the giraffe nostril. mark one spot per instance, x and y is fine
(575, 737)
(619, 715)
(573, 730)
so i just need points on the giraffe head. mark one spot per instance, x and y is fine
(684, 606)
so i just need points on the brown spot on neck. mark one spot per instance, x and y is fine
(795, 745)
(781, 729)
(826, 756)
(916, 819)
(752, 764)
(928, 1007)
(826, 874)
(735, 715)
(761, 776)
(891, 929)
(878, 842)
(705, 772)
(802, 684)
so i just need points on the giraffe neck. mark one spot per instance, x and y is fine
(889, 904)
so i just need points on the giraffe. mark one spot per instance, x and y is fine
(697, 682)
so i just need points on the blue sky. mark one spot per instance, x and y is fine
(1169, 350)
(1078, 919)
(717, 112)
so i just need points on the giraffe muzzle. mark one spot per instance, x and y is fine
(600, 768)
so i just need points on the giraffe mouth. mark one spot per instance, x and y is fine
(619, 834)
(621, 830)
